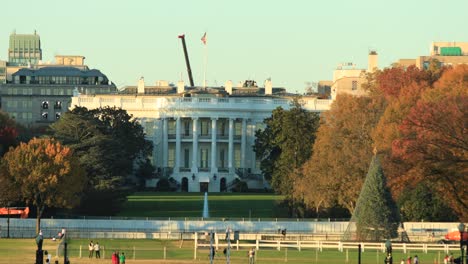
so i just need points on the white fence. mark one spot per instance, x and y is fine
(322, 230)
(321, 245)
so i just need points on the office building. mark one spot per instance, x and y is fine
(37, 96)
(24, 49)
(446, 53)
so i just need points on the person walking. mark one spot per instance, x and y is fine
(409, 259)
(122, 258)
(252, 256)
(97, 249)
(115, 258)
(91, 249)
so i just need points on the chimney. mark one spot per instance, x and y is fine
(228, 87)
(180, 87)
(141, 85)
(372, 63)
(268, 87)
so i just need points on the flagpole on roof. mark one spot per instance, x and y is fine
(205, 58)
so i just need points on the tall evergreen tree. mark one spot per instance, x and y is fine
(376, 216)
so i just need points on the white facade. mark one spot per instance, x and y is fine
(202, 142)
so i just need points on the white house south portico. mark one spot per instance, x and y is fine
(203, 137)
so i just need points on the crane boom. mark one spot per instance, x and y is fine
(189, 70)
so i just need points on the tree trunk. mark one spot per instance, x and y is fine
(38, 219)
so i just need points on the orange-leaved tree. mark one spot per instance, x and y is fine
(8, 132)
(341, 153)
(434, 139)
(43, 173)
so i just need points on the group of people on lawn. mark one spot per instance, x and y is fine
(95, 248)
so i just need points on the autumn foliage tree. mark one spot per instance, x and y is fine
(335, 172)
(417, 121)
(434, 139)
(42, 173)
(8, 132)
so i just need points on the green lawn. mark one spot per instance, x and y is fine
(221, 205)
(142, 251)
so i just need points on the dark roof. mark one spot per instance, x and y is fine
(60, 71)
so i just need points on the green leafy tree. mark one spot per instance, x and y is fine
(283, 146)
(42, 173)
(376, 215)
(422, 203)
(108, 142)
(145, 171)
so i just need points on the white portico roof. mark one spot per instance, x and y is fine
(203, 179)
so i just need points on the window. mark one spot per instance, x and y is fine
(354, 85)
(27, 104)
(186, 128)
(237, 156)
(57, 115)
(170, 156)
(204, 127)
(171, 127)
(58, 105)
(204, 158)
(45, 105)
(149, 128)
(237, 128)
(257, 164)
(12, 104)
(186, 158)
(221, 158)
(222, 129)
(45, 115)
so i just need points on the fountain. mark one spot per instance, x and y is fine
(205, 207)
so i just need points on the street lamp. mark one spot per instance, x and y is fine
(461, 228)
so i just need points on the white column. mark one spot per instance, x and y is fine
(177, 150)
(231, 146)
(195, 145)
(214, 168)
(243, 142)
(165, 143)
(253, 157)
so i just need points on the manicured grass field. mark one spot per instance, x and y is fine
(152, 251)
(227, 205)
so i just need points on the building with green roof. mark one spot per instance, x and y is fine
(24, 49)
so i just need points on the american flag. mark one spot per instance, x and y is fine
(203, 39)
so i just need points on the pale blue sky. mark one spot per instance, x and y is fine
(291, 41)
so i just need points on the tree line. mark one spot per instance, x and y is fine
(416, 119)
(85, 161)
